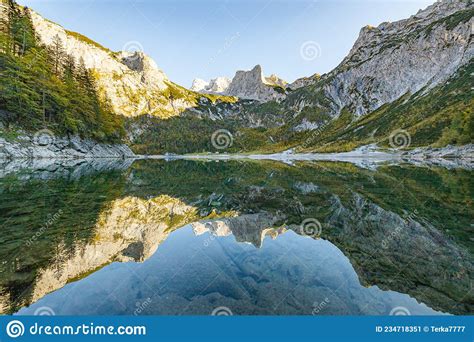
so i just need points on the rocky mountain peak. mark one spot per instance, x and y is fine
(143, 64)
(304, 81)
(131, 81)
(198, 85)
(442, 8)
(253, 85)
(275, 80)
(217, 85)
(370, 37)
(246, 84)
(403, 57)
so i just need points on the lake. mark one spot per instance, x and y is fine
(183, 237)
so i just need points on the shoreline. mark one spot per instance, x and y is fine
(75, 149)
(44, 145)
(370, 152)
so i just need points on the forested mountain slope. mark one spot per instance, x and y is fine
(410, 80)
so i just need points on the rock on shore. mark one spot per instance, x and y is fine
(47, 146)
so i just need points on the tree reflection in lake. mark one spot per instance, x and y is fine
(385, 235)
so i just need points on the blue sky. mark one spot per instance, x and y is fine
(209, 38)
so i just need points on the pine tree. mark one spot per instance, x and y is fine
(45, 88)
(58, 54)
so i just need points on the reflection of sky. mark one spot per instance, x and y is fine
(195, 274)
(209, 38)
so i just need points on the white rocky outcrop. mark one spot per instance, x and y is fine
(146, 67)
(275, 80)
(306, 125)
(250, 228)
(217, 85)
(402, 57)
(199, 85)
(48, 146)
(3, 14)
(252, 85)
(131, 81)
(304, 81)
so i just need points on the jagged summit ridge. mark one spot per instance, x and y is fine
(253, 85)
(304, 81)
(403, 57)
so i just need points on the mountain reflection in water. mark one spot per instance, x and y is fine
(116, 240)
(195, 274)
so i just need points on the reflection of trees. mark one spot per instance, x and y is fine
(27, 207)
(389, 223)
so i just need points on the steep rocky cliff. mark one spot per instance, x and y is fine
(3, 14)
(130, 80)
(394, 59)
(248, 85)
(403, 57)
(385, 63)
(252, 85)
(412, 76)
